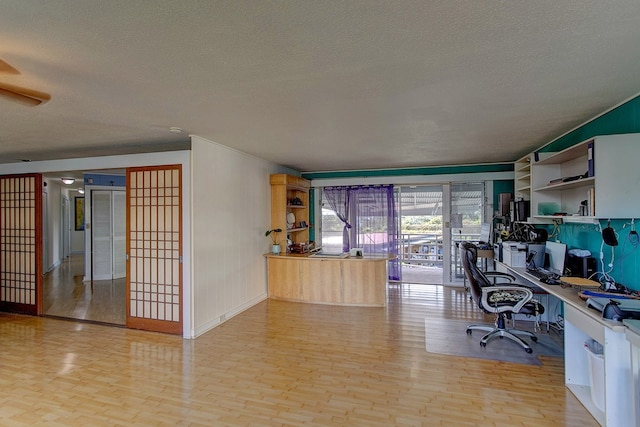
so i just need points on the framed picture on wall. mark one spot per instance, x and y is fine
(79, 214)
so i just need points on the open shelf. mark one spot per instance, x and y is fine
(584, 182)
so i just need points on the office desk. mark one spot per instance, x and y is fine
(580, 324)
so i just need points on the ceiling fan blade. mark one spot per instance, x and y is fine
(26, 96)
(7, 69)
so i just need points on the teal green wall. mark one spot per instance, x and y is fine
(626, 264)
(312, 215)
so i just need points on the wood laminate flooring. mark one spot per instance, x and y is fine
(67, 296)
(275, 364)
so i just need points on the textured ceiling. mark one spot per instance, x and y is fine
(311, 84)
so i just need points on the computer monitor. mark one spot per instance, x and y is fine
(485, 233)
(557, 254)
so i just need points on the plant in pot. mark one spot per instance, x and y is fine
(275, 248)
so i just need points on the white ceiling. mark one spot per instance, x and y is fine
(312, 84)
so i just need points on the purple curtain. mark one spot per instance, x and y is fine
(374, 220)
(338, 199)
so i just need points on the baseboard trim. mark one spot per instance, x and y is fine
(226, 316)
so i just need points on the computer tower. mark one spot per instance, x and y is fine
(581, 266)
(521, 210)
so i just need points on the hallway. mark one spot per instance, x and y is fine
(65, 295)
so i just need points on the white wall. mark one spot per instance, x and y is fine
(231, 211)
(54, 223)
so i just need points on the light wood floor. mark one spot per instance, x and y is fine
(65, 295)
(275, 364)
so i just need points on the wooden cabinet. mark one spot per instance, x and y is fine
(343, 281)
(602, 172)
(290, 198)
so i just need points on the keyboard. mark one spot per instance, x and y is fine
(544, 276)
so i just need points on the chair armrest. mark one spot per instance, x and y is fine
(499, 275)
(527, 295)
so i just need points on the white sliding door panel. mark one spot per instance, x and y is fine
(101, 232)
(119, 202)
(108, 210)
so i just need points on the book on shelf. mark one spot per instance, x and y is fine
(590, 171)
(591, 196)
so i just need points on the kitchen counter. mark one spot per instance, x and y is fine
(360, 281)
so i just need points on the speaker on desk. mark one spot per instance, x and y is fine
(581, 266)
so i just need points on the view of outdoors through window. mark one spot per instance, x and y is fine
(421, 228)
(421, 233)
(331, 230)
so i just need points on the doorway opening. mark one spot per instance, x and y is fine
(85, 266)
(67, 296)
(421, 233)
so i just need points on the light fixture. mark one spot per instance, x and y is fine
(81, 190)
(68, 181)
(175, 129)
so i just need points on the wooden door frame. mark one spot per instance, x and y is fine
(37, 308)
(135, 322)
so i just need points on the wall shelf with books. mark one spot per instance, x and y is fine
(522, 184)
(594, 179)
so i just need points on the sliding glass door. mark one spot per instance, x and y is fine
(421, 233)
(433, 219)
(467, 207)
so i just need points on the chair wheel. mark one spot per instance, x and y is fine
(483, 344)
(534, 339)
(528, 350)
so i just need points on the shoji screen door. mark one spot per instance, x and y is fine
(154, 242)
(21, 243)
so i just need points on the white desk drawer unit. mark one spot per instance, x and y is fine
(581, 324)
(633, 336)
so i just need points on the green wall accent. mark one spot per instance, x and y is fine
(434, 170)
(626, 256)
(623, 119)
(312, 215)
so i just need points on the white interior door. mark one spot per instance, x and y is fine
(66, 228)
(109, 234)
(119, 220)
(101, 234)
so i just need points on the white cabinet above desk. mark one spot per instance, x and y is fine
(609, 174)
(580, 325)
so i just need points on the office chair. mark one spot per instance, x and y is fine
(502, 299)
